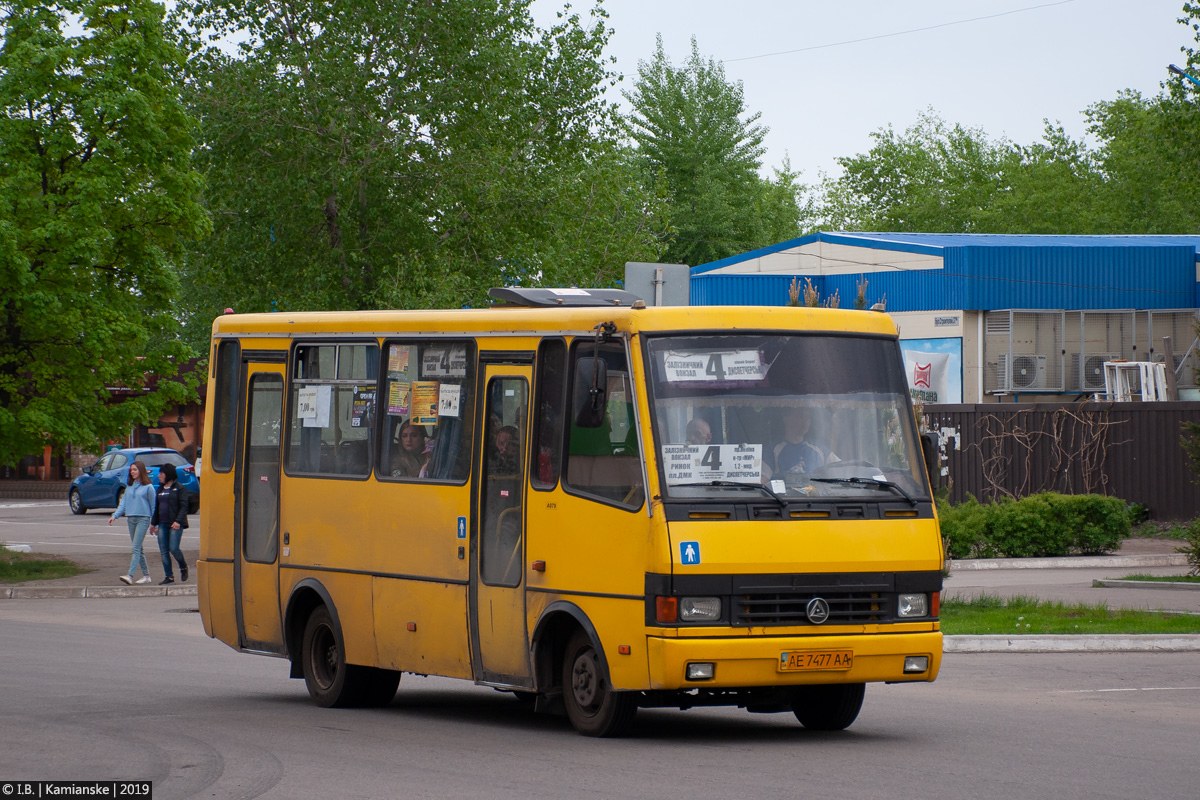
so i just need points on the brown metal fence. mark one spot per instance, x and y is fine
(1126, 450)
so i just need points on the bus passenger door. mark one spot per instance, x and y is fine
(499, 639)
(256, 511)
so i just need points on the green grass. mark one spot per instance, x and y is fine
(988, 614)
(1165, 578)
(21, 567)
(1160, 530)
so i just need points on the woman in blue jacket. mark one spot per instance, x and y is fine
(136, 505)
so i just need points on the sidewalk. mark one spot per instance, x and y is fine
(102, 578)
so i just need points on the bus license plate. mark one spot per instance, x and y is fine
(798, 660)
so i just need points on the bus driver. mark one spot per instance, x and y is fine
(796, 453)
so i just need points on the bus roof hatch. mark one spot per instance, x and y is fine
(516, 296)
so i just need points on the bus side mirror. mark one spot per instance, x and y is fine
(929, 448)
(590, 398)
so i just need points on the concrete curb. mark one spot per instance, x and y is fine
(1069, 643)
(1068, 562)
(1118, 584)
(77, 592)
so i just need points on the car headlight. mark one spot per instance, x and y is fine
(912, 605)
(699, 609)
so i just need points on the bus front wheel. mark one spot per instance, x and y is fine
(828, 708)
(592, 706)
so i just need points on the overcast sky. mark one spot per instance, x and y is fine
(1015, 63)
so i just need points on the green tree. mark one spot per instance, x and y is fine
(1149, 152)
(366, 155)
(97, 197)
(937, 177)
(947, 178)
(690, 133)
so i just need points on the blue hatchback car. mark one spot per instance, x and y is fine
(102, 484)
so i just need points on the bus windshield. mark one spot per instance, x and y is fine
(801, 416)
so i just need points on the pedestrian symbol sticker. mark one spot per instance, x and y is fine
(462, 527)
(689, 552)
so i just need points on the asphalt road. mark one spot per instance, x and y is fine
(132, 689)
(50, 527)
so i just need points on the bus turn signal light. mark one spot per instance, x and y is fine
(667, 609)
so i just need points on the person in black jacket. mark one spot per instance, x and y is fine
(170, 518)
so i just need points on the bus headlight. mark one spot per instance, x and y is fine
(699, 609)
(912, 605)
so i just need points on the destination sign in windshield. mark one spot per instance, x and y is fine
(730, 365)
(690, 463)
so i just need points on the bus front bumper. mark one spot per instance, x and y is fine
(757, 661)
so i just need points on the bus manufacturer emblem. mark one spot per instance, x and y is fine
(817, 610)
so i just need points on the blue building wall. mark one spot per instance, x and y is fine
(982, 272)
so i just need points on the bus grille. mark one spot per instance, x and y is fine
(788, 608)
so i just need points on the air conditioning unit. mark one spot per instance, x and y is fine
(1087, 370)
(1020, 371)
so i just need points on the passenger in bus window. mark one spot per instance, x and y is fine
(796, 453)
(504, 452)
(410, 456)
(697, 431)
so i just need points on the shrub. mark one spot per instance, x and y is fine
(1191, 547)
(1098, 524)
(1026, 527)
(1046, 524)
(964, 528)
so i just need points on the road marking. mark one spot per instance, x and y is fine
(30, 505)
(1138, 689)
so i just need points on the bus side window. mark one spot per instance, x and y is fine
(549, 414)
(333, 409)
(227, 374)
(428, 392)
(604, 462)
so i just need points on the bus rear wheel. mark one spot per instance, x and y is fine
(377, 687)
(828, 708)
(330, 680)
(592, 706)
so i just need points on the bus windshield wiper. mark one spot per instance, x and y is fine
(870, 482)
(782, 501)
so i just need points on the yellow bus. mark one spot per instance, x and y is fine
(595, 505)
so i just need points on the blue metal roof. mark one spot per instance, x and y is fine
(985, 271)
(1006, 240)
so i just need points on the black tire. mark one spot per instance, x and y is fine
(377, 687)
(193, 505)
(76, 502)
(592, 706)
(828, 708)
(330, 680)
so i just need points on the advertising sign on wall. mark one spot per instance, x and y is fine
(934, 369)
